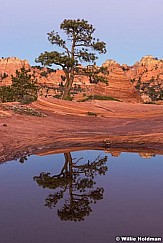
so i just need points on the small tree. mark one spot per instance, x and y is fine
(24, 86)
(79, 47)
(6, 94)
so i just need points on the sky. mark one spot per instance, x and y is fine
(131, 29)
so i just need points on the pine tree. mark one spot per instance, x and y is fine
(24, 86)
(79, 47)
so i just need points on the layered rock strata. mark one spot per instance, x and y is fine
(141, 82)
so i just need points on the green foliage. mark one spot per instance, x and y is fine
(74, 90)
(24, 84)
(99, 97)
(90, 113)
(23, 88)
(22, 110)
(63, 78)
(6, 94)
(44, 74)
(22, 159)
(3, 75)
(149, 103)
(69, 98)
(103, 97)
(155, 92)
(151, 89)
(80, 46)
(61, 84)
(57, 96)
(132, 80)
(38, 67)
(27, 99)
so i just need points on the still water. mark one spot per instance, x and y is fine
(86, 196)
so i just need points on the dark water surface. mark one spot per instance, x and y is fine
(86, 196)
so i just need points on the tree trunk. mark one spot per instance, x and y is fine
(68, 86)
(68, 162)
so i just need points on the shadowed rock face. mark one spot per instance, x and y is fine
(145, 74)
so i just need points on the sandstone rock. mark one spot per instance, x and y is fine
(110, 62)
(120, 85)
(8, 66)
(146, 155)
(11, 64)
(146, 98)
(115, 153)
(122, 78)
(147, 74)
(149, 60)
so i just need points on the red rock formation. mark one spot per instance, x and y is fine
(9, 66)
(148, 68)
(120, 85)
(146, 74)
(122, 78)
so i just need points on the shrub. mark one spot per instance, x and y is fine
(90, 113)
(4, 75)
(44, 74)
(99, 97)
(23, 88)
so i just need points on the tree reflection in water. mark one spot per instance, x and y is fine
(75, 185)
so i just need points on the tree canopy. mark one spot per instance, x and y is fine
(23, 88)
(75, 186)
(79, 47)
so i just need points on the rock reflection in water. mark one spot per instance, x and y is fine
(75, 185)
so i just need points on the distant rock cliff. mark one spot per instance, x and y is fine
(141, 82)
(8, 66)
(11, 64)
(147, 77)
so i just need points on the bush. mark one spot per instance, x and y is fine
(99, 97)
(27, 99)
(4, 75)
(90, 113)
(6, 94)
(44, 74)
(23, 88)
(69, 98)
